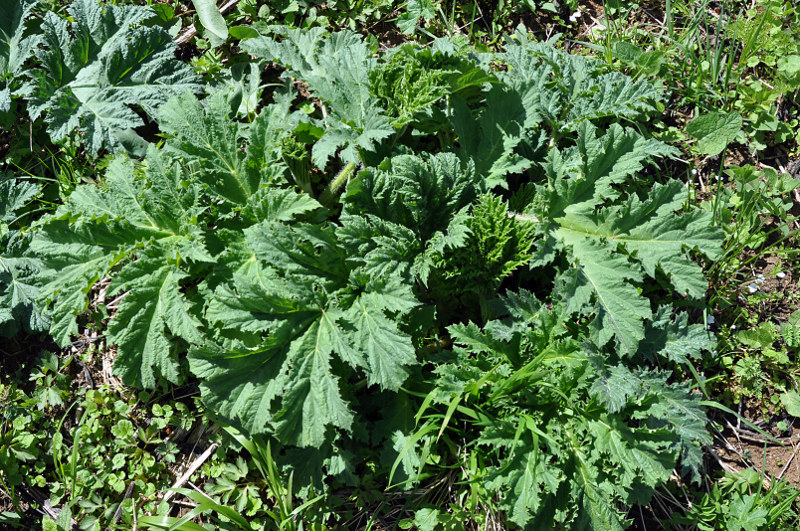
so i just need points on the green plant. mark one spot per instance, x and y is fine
(249, 507)
(211, 19)
(740, 501)
(744, 211)
(86, 446)
(737, 64)
(92, 71)
(287, 515)
(18, 292)
(311, 262)
(15, 48)
(225, 517)
(416, 11)
(21, 451)
(545, 417)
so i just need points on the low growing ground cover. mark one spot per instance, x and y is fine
(359, 266)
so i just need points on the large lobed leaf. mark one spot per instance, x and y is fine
(15, 46)
(300, 296)
(18, 290)
(500, 128)
(98, 68)
(578, 88)
(612, 247)
(402, 213)
(234, 160)
(654, 237)
(141, 226)
(336, 68)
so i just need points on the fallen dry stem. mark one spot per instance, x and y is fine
(197, 463)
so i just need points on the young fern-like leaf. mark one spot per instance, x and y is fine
(497, 245)
(791, 335)
(412, 85)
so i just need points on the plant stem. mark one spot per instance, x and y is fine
(332, 190)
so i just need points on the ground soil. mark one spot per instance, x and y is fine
(744, 448)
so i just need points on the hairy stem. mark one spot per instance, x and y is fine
(335, 186)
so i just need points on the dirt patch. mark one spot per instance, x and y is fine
(773, 276)
(777, 459)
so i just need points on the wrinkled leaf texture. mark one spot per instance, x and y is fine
(98, 68)
(283, 315)
(18, 290)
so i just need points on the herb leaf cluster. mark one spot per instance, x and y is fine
(475, 235)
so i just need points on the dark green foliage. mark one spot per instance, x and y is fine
(307, 304)
(152, 228)
(612, 245)
(303, 315)
(94, 69)
(18, 290)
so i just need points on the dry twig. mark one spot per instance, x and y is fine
(181, 481)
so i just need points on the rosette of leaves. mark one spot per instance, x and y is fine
(565, 438)
(98, 69)
(202, 223)
(164, 231)
(610, 241)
